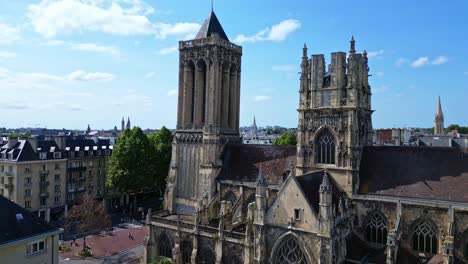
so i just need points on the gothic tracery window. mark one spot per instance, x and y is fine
(325, 145)
(165, 246)
(290, 252)
(231, 197)
(425, 238)
(377, 229)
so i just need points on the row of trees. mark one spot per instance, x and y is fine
(139, 162)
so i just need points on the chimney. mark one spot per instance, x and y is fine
(12, 142)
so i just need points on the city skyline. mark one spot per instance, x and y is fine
(73, 63)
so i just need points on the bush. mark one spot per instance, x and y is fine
(85, 253)
(162, 261)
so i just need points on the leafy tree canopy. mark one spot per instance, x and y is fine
(132, 166)
(287, 138)
(460, 129)
(19, 135)
(162, 142)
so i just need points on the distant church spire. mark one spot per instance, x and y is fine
(122, 124)
(128, 123)
(352, 48)
(439, 120)
(254, 129)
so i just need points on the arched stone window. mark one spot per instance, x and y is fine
(377, 229)
(165, 246)
(289, 251)
(425, 237)
(230, 197)
(201, 92)
(186, 249)
(325, 145)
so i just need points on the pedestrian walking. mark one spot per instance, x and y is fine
(74, 240)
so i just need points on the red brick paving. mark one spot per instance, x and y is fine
(107, 245)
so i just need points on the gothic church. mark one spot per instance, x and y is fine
(333, 198)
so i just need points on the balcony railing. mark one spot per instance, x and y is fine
(44, 183)
(8, 173)
(44, 194)
(9, 186)
(44, 172)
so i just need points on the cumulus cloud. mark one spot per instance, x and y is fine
(90, 76)
(425, 61)
(150, 74)
(7, 55)
(88, 47)
(381, 89)
(172, 92)
(8, 34)
(283, 68)
(262, 98)
(168, 50)
(277, 33)
(379, 74)
(123, 18)
(466, 73)
(375, 54)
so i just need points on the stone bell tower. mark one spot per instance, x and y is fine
(334, 115)
(207, 114)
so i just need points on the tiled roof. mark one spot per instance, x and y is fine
(18, 223)
(421, 172)
(242, 162)
(211, 26)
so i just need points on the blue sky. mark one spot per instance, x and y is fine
(72, 63)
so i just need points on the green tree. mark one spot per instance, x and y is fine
(286, 138)
(460, 129)
(132, 166)
(19, 135)
(162, 142)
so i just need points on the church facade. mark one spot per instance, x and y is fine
(333, 198)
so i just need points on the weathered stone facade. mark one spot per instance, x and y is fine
(343, 202)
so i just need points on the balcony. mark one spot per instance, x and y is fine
(44, 172)
(9, 186)
(44, 194)
(44, 183)
(9, 173)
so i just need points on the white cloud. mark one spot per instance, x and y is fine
(91, 47)
(421, 61)
(262, 98)
(278, 32)
(50, 18)
(7, 55)
(172, 92)
(150, 74)
(88, 47)
(8, 34)
(401, 61)
(440, 60)
(187, 29)
(375, 54)
(466, 73)
(283, 68)
(90, 76)
(168, 50)
(425, 61)
(379, 74)
(123, 18)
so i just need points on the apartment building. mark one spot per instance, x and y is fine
(86, 165)
(33, 174)
(46, 176)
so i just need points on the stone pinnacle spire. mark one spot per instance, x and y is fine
(439, 120)
(325, 187)
(352, 48)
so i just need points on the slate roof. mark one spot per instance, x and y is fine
(211, 26)
(241, 162)
(358, 250)
(12, 229)
(310, 185)
(420, 172)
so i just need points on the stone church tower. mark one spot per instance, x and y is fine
(439, 120)
(207, 115)
(334, 115)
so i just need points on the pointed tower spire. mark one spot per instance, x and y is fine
(325, 187)
(439, 120)
(304, 52)
(254, 129)
(352, 48)
(210, 27)
(128, 123)
(122, 124)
